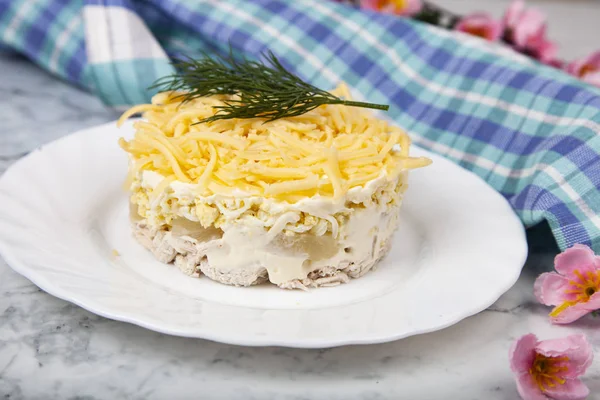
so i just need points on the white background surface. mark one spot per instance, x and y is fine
(50, 349)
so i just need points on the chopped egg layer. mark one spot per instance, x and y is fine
(252, 236)
(317, 215)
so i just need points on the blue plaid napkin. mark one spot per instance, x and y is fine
(531, 132)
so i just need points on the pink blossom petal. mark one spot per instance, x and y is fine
(572, 389)
(528, 388)
(546, 51)
(588, 69)
(556, 63)
(592, 78)
(370, 4)
(576, 311)
(538, 36)
(549, 288)
(591, 60)
(576, 347)
(570, 314)
(367, 4)
(522, 353)
(577, 257)
(529, 28)
(513, 13)
(594, 58)
(413, 7)
(593, 303)
(574, 67)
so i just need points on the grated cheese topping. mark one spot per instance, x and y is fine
(324, 152)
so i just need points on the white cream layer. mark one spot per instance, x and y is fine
(251, 242)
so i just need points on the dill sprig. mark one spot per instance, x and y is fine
(264, 90)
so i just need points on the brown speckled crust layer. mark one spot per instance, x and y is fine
(189, 256)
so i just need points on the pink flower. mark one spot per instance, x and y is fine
(575, 289)
(544, 50)
(588, 68)
(398, 7)
(557, 63)
(513, 13)
(524, 26)
(482, 25)
(550, 369)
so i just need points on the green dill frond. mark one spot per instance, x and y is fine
(263, 90)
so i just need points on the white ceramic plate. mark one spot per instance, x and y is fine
(63, 213)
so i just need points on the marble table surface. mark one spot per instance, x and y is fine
(51, 349)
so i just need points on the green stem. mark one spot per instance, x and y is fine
(364, 105)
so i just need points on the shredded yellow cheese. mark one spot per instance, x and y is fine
(326, 151)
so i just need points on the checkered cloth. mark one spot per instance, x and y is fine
(531, 132)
